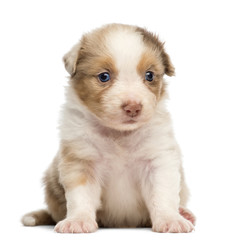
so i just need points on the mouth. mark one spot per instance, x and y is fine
(131, 121)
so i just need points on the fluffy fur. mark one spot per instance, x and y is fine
(118, 164)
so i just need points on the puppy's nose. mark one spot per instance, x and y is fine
(132, 108)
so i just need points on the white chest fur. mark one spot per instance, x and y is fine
(122, 203)
(119, 170)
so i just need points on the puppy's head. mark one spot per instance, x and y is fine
(117, 72)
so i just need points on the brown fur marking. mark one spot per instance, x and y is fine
(151, 63)
(86, 83)
(74, 171)
(152, 41)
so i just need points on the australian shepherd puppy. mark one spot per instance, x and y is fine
(118, 163)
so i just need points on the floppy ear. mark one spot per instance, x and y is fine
(169, 68)
(70, 59)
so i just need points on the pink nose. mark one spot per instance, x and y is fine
(132, 108)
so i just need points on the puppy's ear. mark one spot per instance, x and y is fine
(169, 68)
(70, 59)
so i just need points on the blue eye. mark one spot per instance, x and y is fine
(149, 76)
(104, 77)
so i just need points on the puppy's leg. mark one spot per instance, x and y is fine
(82, 192)
(160, 190)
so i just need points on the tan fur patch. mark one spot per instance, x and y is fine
(74, 171)
(86, 83)
(152, 41)
(149, 62)
(82, 180)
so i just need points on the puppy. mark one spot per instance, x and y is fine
(118, 164)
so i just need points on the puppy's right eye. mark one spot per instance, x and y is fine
(104, 77)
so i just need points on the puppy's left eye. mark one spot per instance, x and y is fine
(149, 76)
(104, 77)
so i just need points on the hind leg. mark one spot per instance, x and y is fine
(54, 193)
(56, 208)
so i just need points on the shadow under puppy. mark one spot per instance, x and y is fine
(118, 164)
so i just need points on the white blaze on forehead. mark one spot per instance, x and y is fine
(126, 47)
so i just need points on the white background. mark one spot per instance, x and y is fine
(34, 37)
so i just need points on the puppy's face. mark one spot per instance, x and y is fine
(117, 72)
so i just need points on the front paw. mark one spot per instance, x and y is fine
(75, 225)
(172, 225)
